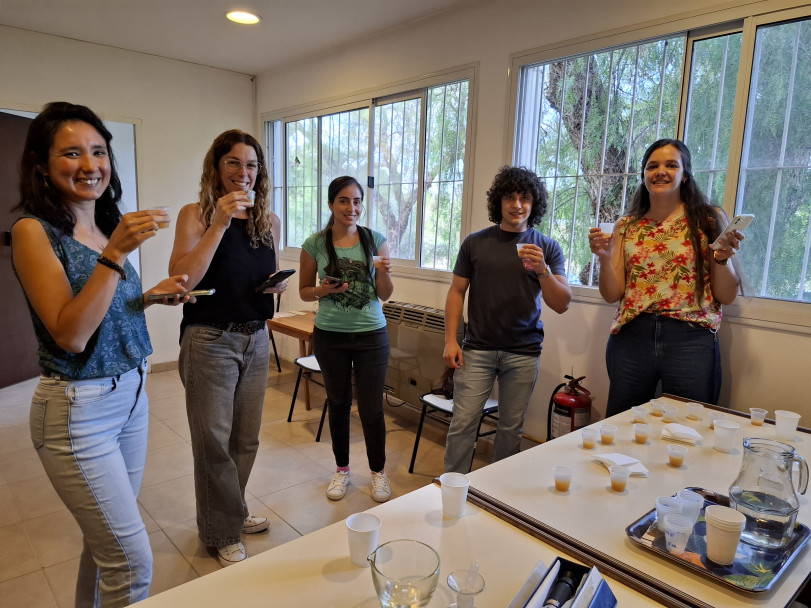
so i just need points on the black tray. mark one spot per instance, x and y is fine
(755, 569)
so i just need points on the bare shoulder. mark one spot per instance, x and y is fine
(27, 228)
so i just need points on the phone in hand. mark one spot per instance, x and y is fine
(739, 222)
(333, 280)
(275, 279)
(195, 292)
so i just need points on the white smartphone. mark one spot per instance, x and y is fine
(196, 293)
(739, 222)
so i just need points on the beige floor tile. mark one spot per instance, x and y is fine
(18, 556)
(164, 408)
(185, 538)
(35, 497)
(18, 393)
(278, 469)
(12, 414)
(149, 523)
(29, 591)
(170, 502)
(170, 462)
(62, 581)
(55, 538)
(169, 568)
(20, 465)
(9, 514)
(161, 435)
(179, 425)
(14, 437)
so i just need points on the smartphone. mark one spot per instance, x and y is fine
(275, 279)
(196, 293)
(739, 222)
(333, 280)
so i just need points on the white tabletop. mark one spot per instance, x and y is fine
(594, 514)
(315, 570)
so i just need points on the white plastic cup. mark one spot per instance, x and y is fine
(619, 477)
(758, 415)
(678, 529)
(589, 437)
(656, 407)
(676, 455)
(252, 196)
(377, 261)
(640, 414)
(724, 527)
(607, 228)
(786, 424)
(607, 432)
(527, 264)
(691, 504)
(665, 505)
(164, 209)
(454, 493)
(363, 530)
(641, 432)
(715, 416)
(563, 477)
(726, 434)
(670, 413)
(694, 411)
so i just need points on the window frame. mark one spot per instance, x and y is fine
(369, 98)
(696, 25)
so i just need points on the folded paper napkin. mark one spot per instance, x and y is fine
(681, 433)
(637, 468)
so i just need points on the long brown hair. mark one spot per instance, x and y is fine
(364, 234)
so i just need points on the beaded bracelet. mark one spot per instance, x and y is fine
(105, 261)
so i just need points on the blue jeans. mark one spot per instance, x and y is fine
(653, 348)
(367, 353)
(472, 384)
(225, 375)
(91, 436)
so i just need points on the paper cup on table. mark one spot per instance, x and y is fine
(607, 228)
(678, 529)
(724, 527)
(726, 434)
(691, 504)
(785, 423)
(363, 530)
(454, 493)
(758, 415)
(563, 477)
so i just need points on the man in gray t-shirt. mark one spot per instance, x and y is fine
(504, 334)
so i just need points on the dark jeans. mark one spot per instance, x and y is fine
(653, 348)
(368, 353)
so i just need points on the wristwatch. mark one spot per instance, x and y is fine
(547, 271)
(717, 261)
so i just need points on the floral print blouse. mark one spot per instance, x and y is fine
(660, 274)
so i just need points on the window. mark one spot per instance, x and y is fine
(409, 147)
(583, 122)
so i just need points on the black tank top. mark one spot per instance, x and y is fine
(235, 271)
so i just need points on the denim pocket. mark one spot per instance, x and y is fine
(204, 334)
(89, 391)
(36, 419)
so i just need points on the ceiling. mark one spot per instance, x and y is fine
(197, 30)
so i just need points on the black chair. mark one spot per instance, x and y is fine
(439, 404)
(308, 367)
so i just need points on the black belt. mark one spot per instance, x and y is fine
(246, 327)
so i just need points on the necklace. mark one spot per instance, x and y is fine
(90, 235)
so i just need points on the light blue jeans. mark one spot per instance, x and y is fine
(225, 375)
(472, 384)
(91, 436)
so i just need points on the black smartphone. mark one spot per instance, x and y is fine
(333, 280)
(195, 292)
(275, 279)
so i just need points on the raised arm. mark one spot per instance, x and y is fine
(724, 280)
(384, 284)
(612, 263)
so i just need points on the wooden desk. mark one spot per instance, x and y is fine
(300, 327)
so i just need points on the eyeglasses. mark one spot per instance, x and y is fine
(232, 166)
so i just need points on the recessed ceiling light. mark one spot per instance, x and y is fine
(243, 17)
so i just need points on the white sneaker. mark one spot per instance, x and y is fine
(337, 487)
(231, 554)
(381, 491)
(253, 524)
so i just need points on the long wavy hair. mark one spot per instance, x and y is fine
(521, 180)
(37, 196)
(211, 189)
(700, 213)
(364, 234)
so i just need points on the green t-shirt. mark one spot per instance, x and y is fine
(358, 308)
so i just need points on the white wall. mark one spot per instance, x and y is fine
(487, 34)
(178, 109)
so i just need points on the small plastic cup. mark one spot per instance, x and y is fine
(563, 477)
(716, 416)
(619, 477)
(656, 408)
(589, 438)
(527, 264)
(726, 433)
(363, 530)
(670, 413)
(675, 455)
(694, 411)
(691, 504)
(758, 415)
(724, 527)
(252, 196)
(164, 209)
(678, 529)
(786, 424)
(641, 432)
(607, 432)
(454, 493)
(665, 505)
(377, 260)
(607, 228)
(640, 414)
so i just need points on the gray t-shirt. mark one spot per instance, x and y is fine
(504, 306)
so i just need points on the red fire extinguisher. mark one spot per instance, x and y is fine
(569, 409)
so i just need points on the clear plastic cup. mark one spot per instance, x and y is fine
(713, 416)
(678, 529)
(377, 261)
(589, 438)
(252, 196)
(640, 414)
(726, 434)
(163, 209)
(619, 477)
(724, 527)
(676, 455)
(665, 505)
(656, 408)
(641, 432)
(758, 415)
(670, 413)
(786, 424)
(363, 530)
(527, 264)
(607, 228)
(694, 411)
(563, 477)
(607, 433)
(691, 504)
(454, 493)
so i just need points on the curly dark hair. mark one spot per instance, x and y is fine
(37, 197)
(517, 179)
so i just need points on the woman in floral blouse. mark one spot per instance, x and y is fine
(669, 283)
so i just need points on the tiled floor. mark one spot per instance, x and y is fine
(41, 541)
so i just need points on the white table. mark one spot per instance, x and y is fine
(594, 514)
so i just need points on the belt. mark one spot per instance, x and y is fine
(245, 327)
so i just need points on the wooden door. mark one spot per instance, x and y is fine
(18, 347)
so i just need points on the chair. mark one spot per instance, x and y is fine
(308, 366)
(437, 403)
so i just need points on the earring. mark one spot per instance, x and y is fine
(46, 181)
